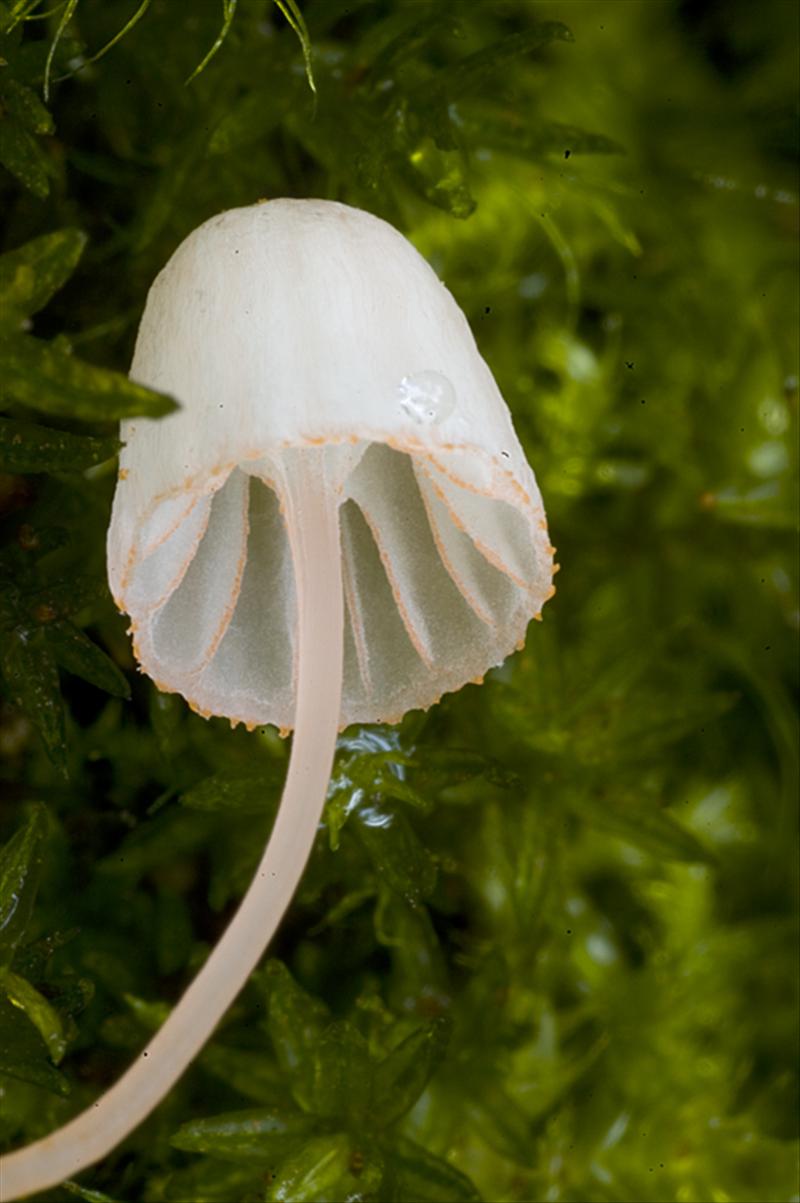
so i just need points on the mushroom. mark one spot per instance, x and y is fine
(339, 525)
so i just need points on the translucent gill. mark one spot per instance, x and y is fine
(500, 532)
(436, 578)
(159, 574)
(189, 628)
(254, 662)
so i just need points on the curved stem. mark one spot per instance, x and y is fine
(313, 525)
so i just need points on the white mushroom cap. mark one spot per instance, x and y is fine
(295, 325)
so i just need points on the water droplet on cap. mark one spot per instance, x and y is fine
(427, 397)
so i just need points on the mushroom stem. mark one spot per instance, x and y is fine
(313, 526)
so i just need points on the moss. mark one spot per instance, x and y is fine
(564, 965)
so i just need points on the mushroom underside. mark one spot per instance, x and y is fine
(440, 584)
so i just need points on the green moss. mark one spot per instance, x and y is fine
(562, 964)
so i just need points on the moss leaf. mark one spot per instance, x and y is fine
(20, 993)
(256, 1134)
(34, 271)
(47, 378)
(27, 447)
(327, 1168)
(75, 652)
(402, 1076)
(421, 1176)
(29, 670)
(20, 869)
(22, 155)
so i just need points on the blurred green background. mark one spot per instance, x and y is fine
(562, 967)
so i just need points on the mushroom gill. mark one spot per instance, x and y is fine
(439, 582)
